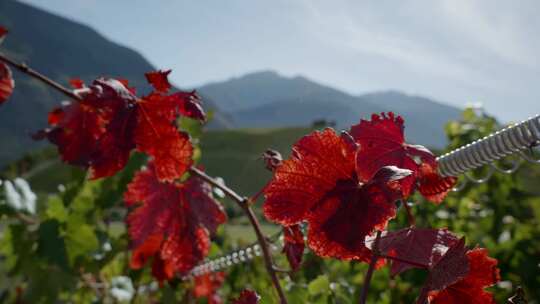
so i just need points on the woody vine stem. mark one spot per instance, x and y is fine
(243, 202)
(369, 274)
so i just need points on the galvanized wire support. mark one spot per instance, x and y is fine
(514, 139)
(242, 255)
(238, 256)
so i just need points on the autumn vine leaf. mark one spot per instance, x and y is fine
(159, 80)
(207, 285)
(382, 143)
(76, 83)
(6, 83)
(162, 270)
(319, 184)
(190, 105)
(100, 131)
(6, 78)
(247, 296)
(294, 245)
(433, 186)
(171, 222)
(482, 273)
(3, 32)
(421, 246)
(451, 268)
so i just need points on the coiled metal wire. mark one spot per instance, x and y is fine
(238, 256)
(242, 255)
(514, 139)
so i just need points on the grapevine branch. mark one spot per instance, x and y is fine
(243, 202)
(410, 216)
(31, 72)
(369, 274)
(228, 191)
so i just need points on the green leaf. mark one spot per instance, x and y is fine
(56, 210)
(297, 294)
(51, 246)
(45, 285)
(81, 241)
(17, 247)
(320, 285)
(84, 201)
(168, 295)
(469, 114)
(191, 126)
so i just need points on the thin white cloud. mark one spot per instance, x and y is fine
(341, 27)
(500, 33)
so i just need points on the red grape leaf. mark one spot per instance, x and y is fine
(114, 147)
(189, 105)
(205, 209)
(452, 267)
(339, 224)
(125, 83)
(57, 114)
(180, 216)
(317, 162)
(162, 270)
(76, 128)
(157, 136)
(186, 103)
(319, 184)
(483, 273)
(145, 251)
(433, 186)
(419, 245)
(76, 83)
(247, 296)
(159, 80)
(206, 286)
(3, 32)
(6, 78)
(382, 143)
(122, 122)
(294, 245)
(6, 83)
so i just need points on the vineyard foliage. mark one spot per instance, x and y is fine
(135, 212)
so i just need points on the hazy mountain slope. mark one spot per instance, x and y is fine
(261, 88)
(267, 99)
(303, 111)
(61, 49)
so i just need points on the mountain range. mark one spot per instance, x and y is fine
(62, 48)
(266, 99)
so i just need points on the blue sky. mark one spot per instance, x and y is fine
(456, 51)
